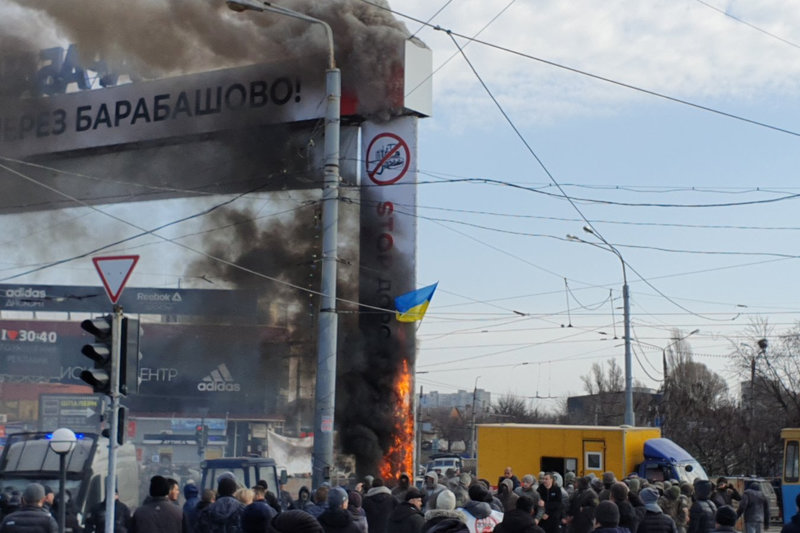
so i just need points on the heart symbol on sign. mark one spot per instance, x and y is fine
(13, 335)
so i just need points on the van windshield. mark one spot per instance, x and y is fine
(691, 474)
(31, 452)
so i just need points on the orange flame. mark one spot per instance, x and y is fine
(400, 456)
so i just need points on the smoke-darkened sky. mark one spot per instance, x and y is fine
(156, 38)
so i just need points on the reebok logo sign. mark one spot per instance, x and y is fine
(220, 380)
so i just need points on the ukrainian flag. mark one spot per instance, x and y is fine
(411, 306)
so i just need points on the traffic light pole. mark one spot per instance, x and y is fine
(113, 417)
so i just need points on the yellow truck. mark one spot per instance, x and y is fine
(583, 450)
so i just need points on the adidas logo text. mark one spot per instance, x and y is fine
(220, 380)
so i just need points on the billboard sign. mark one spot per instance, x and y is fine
(267, 93)
(136, 300)
(79, 412)
(184, 367)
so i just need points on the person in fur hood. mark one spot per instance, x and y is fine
(445, 510)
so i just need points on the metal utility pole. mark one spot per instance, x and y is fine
(327, 340)
(111, 480)
(474, 428)
(629, 419)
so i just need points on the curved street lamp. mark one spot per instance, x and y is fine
(62, 443)
(626, 315)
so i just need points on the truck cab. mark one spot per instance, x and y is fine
(665, 460)
(247, 471)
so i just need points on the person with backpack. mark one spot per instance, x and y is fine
(225, 514)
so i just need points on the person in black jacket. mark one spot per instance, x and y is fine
(407, 517)
(725, 493)
(157, 514)
(378, 504)
(627, 515)
(725, 519)
(550, 493)
(96, 517)
(520, 519)
(703, 511)
(336, 518)
(257, 516)
(31, 517)
(654, 520)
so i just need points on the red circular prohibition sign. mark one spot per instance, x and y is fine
(386, 159)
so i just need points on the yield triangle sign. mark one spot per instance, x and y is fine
(115, 271)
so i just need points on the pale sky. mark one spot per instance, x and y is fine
(499, 251)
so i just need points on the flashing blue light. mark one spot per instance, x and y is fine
(49, 436)
(79, 436)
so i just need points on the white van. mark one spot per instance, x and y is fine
(27, 458)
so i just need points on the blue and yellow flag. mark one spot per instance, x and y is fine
(411, 306)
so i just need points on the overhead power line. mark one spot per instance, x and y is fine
(753, 26)
(701, 107)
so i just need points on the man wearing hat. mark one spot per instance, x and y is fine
(407, 517)
(31, 516)
(157, 514)
(725, 493)
(654, 520)
(294, 521)
(725, 519)
(606, 516)
(336, 518)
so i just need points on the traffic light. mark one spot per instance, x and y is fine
(129, 357)
(122, 416)
(99, 377)
(201, 437)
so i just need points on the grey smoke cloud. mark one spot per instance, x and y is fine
(156, 38)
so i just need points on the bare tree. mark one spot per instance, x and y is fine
(768, 365)
(512, 408)
(605, 405)
(449, 424)
(698, 412)
(598, 381)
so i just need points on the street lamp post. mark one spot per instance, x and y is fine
(325, 391)
(62, 442)
(629, 419)
(664, 353)
(474, 428)
(664, 361)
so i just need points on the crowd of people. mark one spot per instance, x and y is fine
(452, 503)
